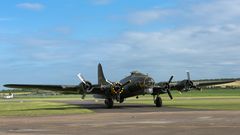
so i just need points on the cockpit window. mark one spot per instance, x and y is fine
(149, 82)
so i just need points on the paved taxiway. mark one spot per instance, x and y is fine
(127, 119)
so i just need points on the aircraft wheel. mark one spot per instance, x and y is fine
(121, 100)
(109, 102)
(158, 102)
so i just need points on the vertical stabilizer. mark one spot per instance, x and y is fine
(101, 77)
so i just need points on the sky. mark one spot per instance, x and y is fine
(51, 41)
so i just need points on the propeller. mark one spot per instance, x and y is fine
(168, 87)
(117, 88)
(86, 86)
(189, 84)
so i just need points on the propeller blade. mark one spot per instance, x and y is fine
(170, 80)
(84, 95)
(126, 83)
(188, 76)
(109, 82)
(169, 94)
(81, 78)
(168, 87)
(81, 90)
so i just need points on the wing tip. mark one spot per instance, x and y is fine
(6, 85)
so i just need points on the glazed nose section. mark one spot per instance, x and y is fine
(149, 82)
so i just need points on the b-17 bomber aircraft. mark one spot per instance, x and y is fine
(133, 85)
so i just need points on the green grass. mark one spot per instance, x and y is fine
(50, 97)
(208, 93)
(223, 103)
(213, 104)
(38, 108)
(218, 99)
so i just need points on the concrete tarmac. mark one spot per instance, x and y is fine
(126, 119)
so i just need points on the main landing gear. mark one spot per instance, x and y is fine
(158, 101)
(109, 102)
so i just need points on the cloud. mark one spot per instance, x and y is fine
(220, 10)
(31, 6)
(148, 16)
(200, 13)
(199, 49)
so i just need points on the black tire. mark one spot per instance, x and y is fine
(158, 102)
(109, 103)
(121, 100)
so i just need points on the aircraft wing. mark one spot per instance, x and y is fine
(207, 83)
(43, 87)
(57, 88)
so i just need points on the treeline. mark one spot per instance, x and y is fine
(16, 90)
(218, 79)
(29, 92)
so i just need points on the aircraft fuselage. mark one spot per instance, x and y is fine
(140, 84)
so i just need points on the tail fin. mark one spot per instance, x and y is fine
(101, 77)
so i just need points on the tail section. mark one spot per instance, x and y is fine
(101, 77)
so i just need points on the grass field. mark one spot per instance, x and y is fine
(218, 99)
(38, 108)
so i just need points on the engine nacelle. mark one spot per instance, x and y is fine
(185, 86)
(85, 87)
